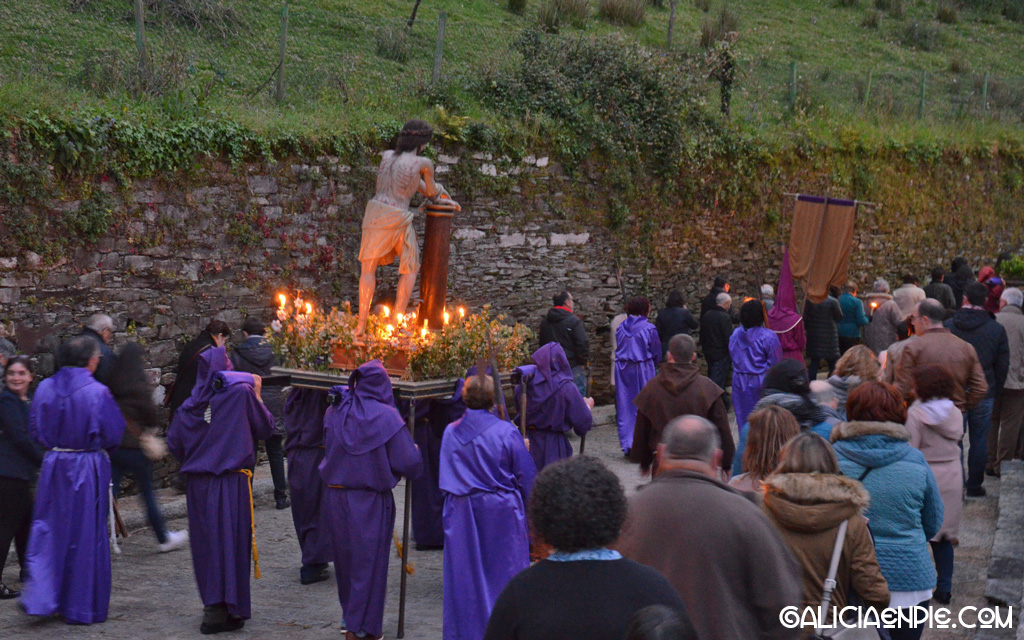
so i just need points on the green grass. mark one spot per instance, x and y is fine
(337, 82)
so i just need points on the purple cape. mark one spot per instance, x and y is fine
(637, 354)
(367, 450)
(783, 317)
(553, 406)
(753, 352)
(212, 455)
(304, 424)
(486, 475)
(68, 555)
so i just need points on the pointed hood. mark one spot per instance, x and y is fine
(366, 418)
(552, 371)
(784, 315)
(210, 363)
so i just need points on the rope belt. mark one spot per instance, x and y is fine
(252, 520)
(336, 486)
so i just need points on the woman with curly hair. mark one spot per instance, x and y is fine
(583, 589)
(770, 428)
(857, 365)
(637, 354)
(906, 507)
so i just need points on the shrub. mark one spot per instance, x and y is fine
(895, 8)
(920, 35)
(958, 65)
(517, 6)
(946, 14)
(847, 3)
(703, 5)
(870, 20)
(549, 19)
(216, 16)
(393, 43)
(1014, 10)
(627, 12)
(711, 31)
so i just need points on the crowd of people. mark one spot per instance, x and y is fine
(847, 486)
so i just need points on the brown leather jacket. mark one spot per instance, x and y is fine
(940, 346)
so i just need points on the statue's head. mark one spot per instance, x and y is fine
(413, 135)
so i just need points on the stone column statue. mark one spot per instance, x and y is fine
(387, 224)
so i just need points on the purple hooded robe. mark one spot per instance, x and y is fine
(753, 352)
(367, 450)
(486, 476)
(553, 405)
(784, 319)
(432, 416)
(637, 354)
(213, 455)
(304, 423)
(68, 555)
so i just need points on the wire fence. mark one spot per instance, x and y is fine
(256, 54)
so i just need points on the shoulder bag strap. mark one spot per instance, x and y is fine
(833, 568)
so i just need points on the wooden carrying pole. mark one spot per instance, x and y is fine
(434, 273)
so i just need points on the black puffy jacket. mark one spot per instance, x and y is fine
(565, 328)
(820, 324)
(256, 356)
(978, 328)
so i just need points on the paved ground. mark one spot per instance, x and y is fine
(154, 595)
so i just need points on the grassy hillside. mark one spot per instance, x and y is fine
(350, 66)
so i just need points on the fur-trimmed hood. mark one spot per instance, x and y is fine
(813, 502)
(847, 430)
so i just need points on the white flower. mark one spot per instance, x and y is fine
(276, 326)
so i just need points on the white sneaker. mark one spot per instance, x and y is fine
(175, 540)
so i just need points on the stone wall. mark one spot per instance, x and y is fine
(223, 240)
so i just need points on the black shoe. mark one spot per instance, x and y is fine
(976, 493)
(6, 593)
(233, 623)
(313, 574)
(942, 597)
(992, 472)
(283, 503)
(429, 547)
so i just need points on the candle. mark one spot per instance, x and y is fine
(401, 318)
(462, 312)
(309, 308)
(283, 300)
(423, 332)
(446, 317)
(387, 312)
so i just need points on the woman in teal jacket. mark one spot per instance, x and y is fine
(853, 317)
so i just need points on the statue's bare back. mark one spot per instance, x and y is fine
(401, 176)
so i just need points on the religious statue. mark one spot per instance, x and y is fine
(387, 224)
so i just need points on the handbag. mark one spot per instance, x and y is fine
(840, 633)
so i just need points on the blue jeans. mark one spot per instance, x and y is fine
(977, 422)
(943, 553)
(136, 463)
(579, 378)
(718, 371)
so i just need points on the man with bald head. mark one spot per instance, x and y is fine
(714, 545)
(678, 389)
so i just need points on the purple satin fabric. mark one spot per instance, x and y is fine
(304, 424)
(637, 354)
(486, 475)
(784, 318)
(753, 352)
(427, 499)
(68, 555)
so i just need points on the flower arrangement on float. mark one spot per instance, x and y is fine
(306, 337)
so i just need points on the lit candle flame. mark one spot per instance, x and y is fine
(423, 332)
(401, 318)
(309, 308)
(390, 329)
(283, 299)
(446, 317)
(387, 312)
(462, 312)
(874, 304)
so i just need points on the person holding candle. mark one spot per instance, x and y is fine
(367, 450)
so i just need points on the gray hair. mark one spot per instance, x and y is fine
(682, 346)
(691, 438)
(100, 322)
(722, 298)
(880, 286)
(822, 392)
(1013, 296)
(767, 291)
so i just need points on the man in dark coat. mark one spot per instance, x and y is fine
(937, 289)
(976, 326)
(961, 276)
(100, 327)
(561, 325)
(216, 334)
(673, 319)
(254, 355)
(715, 331)
(710, 301)
(678, 390)
(822, 334)
(721, 553)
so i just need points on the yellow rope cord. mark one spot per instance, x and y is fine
(252, 516)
